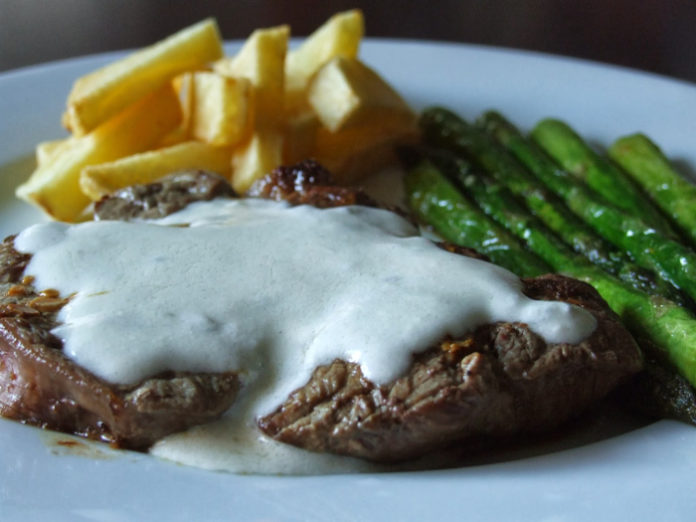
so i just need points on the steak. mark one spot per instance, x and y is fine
(39, 385)
(164, 197)
(498, 380)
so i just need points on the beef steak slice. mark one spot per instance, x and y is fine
(500, 379)
(39, 385)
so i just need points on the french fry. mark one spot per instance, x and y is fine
(300, 136)
(220, 112)
(98, 180)
(46, 150)
(357, 152)
(55, 186)
(350, 154)
(261, 154)
(261, 60)
(345, 93)
(177, 135)
(340, 35)
(106, 92)
(361, 117)
(183, 85)
(178, 105)
(365, 157)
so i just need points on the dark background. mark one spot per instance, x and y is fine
(653, 35)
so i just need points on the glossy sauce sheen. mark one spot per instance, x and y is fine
(271, 291)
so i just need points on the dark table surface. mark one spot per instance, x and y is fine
(652, 35)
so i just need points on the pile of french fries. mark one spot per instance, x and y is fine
(181, 104)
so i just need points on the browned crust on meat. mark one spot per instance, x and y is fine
(161, 198)
(42, 387)
(308, 183)
(501, 379)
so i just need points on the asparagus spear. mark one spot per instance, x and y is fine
(444, 128)
(437, 202)
(643, 160)
(669, 258)
(659, 321)
(565, 146)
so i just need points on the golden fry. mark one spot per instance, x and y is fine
(260, 155)
(345, 92)
(178, 105)
(362, 119)
(183, 86)
(340, 35)
(361, 150)
(261, 60)
(300, 136)
(220, 108)
(98, 180)
(46, 150)
(363, 161)
(55, 186)
(105, 92)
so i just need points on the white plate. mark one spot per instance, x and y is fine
(645, 474)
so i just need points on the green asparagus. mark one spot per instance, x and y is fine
(660, 321)
(647, 165)
(445, 129)
(671, 259)
(436, 201)
(442, 128)
(565, 146)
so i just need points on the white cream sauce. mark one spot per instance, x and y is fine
(272, 291)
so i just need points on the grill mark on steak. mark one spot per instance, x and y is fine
(499, 380)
